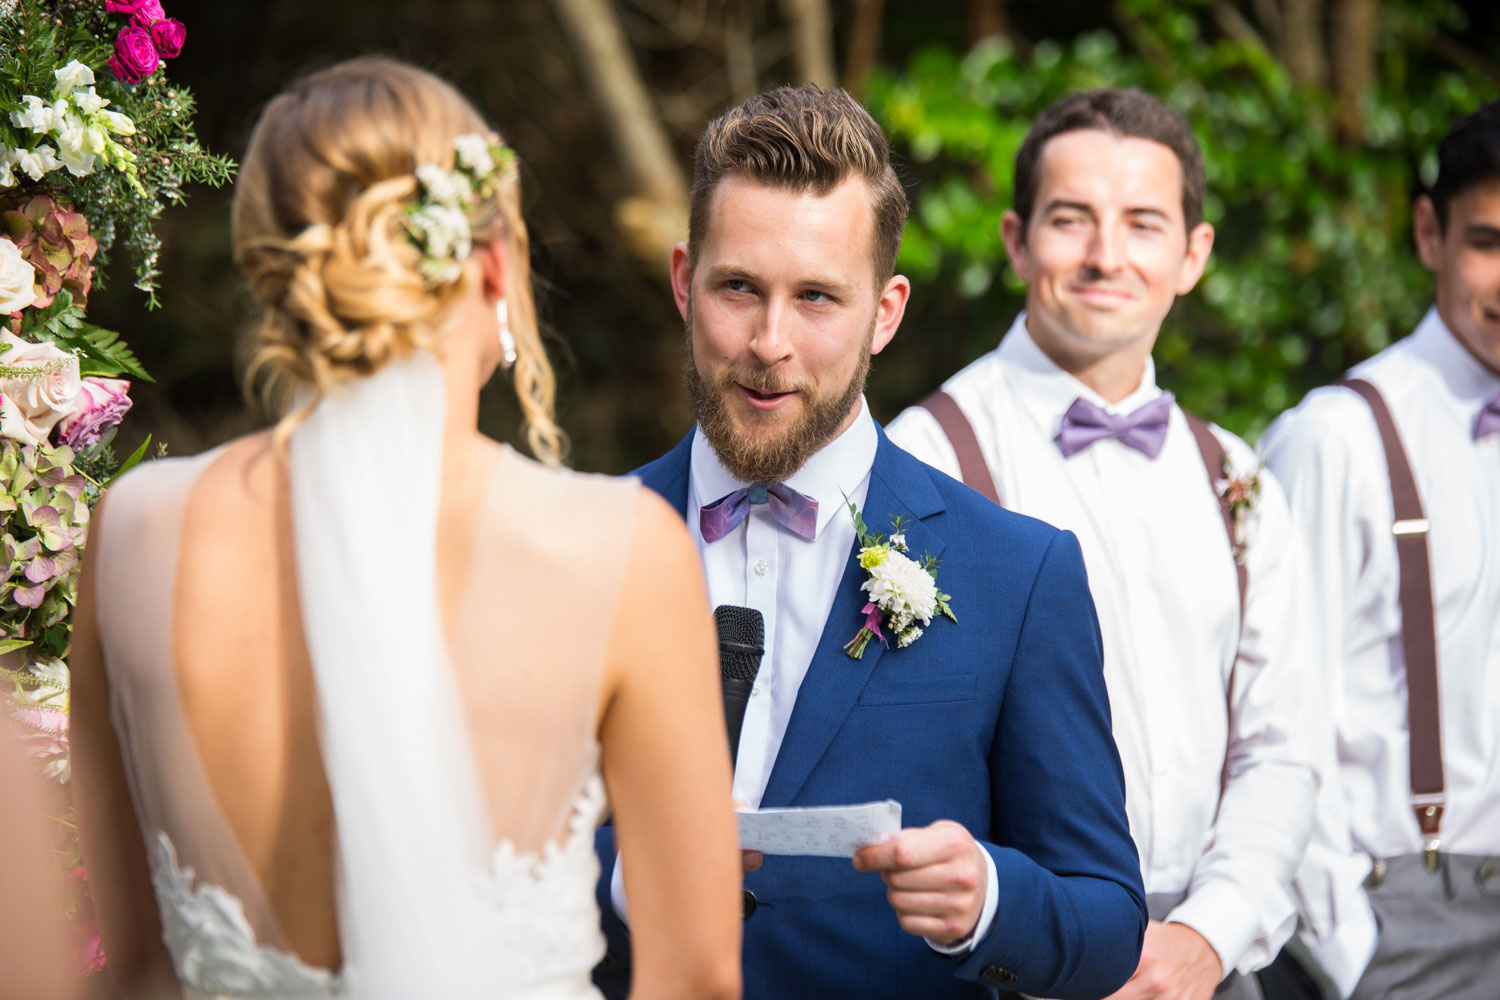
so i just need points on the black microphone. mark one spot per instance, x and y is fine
(742, 638)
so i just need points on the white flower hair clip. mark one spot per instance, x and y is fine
(439, 222)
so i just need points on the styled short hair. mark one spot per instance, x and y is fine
(801, 139)
(1130, 113)
(1469, 155)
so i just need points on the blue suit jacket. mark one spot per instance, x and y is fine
(1000, 722)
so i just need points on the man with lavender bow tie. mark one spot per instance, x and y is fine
(1015, 866)
(1405, 903)
(1199, 596)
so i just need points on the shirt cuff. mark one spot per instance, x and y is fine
(1220, 913)
(986, 914)
(617, 891)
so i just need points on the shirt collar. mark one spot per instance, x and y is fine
(1470, 382)
(1048, 390)
(834, 472)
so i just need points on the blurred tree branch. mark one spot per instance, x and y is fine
(811, 27)
(864, 45)
(654, 217)
(1356, 34)
(1299, 37)
(987, 19)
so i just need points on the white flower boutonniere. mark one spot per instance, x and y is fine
(902, 590)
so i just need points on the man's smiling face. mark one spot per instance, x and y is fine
(1106, 251)
(1464, 253)
(783, 311)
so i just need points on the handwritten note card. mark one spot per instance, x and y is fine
(825, 831)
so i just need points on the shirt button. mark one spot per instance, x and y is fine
(762, 568)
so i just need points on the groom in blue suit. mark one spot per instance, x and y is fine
(1015, 869)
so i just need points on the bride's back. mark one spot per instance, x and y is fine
(210, 675)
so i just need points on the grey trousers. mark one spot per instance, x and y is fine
(1439, 931)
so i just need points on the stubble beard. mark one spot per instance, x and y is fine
(783, 447)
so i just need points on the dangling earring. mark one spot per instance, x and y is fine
(507, 339)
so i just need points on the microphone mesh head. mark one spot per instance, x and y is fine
(742, 638)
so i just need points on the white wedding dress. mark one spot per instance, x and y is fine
(465, 863)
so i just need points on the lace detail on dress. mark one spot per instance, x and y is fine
(546, 918)
(212, 944)
(543, 906)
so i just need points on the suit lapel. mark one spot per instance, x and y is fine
(899, 484)
(668, 475)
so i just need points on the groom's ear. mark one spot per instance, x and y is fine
(682, 277)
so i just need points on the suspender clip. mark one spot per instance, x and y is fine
(1430, 854)
(1415, 527)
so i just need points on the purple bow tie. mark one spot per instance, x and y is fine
(1144, 429)
(793, 511)
(1488, 421)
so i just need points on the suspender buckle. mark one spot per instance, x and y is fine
(1415, 527)
(1429, 810)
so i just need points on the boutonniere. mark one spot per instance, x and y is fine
(1240, 493)
(902, 590)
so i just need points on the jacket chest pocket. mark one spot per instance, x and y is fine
(919, 690)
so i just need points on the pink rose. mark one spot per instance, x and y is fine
(32, 404)
(135, 55)
(147, 13)
(126, 7)
(168, 35)
(101, 403)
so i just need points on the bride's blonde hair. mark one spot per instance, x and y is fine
(319, 232)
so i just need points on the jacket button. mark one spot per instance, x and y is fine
(747, 904)
(996, 976)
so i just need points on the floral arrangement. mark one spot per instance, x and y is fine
(439, 222)
(94, 144)
(902, 590)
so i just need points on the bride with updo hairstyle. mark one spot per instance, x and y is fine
(351, 694)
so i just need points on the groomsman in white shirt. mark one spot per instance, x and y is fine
(1193, 563)
(1388, 489)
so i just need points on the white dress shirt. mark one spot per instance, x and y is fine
(1163, 580)
(792, 582)
(1328, 453)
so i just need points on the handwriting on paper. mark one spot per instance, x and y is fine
(823, 831)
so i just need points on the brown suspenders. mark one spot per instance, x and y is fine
(976, 473)
(972, 467)
(1418, 626)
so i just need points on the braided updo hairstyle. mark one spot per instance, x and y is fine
(319, 233)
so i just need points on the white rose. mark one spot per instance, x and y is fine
(37, 115)
(75, 74)
(17, 281)
(31, 405)
(7, 162)
(38, 163)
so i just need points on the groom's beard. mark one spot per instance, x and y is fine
(780, 444)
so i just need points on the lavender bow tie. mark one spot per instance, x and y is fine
(1488, 421)
(795, 512)
(1144, 429)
